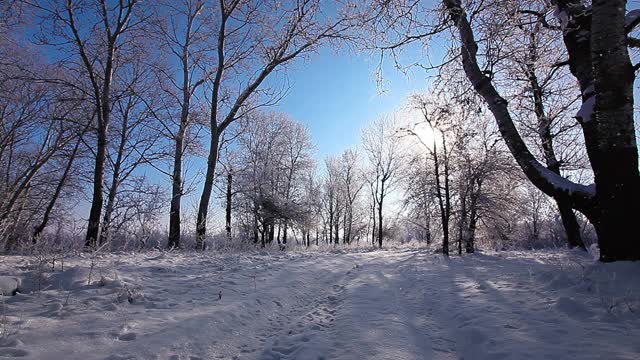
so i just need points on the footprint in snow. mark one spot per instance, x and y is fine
(128, 337)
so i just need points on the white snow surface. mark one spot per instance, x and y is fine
(9, 285)
(393, 304)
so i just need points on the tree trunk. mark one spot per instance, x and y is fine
(255, 226)
(463, 219)
(473, 217)
(373, 226)
(93, 227)
(331, 215)
(349, 225)
(176, 187)
(105, 235)
(278, 236)
(616, 166)
(228, 208)
(272, 229)
(570, 224)
(380, 224)
(12, 238)
(470, 241)
(336, 239)
(203, 208)
(447, 191)
(284, 233)
(441, 203)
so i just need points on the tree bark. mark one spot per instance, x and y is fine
(105, 235)
(176, 191)
(93, 227)
(616, 166)
(271, 231)
(473, 217)
(336, 239)
(203, 209)
(380, 202)
(463, 220)
(444, 218)
(12, 237)
(380, 225)
(284, 232)
(228, 206)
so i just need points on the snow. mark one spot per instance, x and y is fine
(393, 304)
(9, 285)
(587, 108)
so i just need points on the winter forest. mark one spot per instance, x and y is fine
(162, 197)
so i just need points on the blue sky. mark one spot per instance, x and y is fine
(336, 94)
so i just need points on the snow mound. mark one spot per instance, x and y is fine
(9, 285)
(555, 280)
(572, 308)
(73, 278)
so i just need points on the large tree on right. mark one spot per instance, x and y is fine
(596, 37)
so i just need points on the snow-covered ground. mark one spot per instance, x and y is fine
(395, 304)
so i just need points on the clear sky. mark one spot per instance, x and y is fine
(336, 94)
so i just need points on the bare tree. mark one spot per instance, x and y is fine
(545, 104)
(135, 138)
(383, 152)
(35, 129)
(419, 194)
(261, 37)
(271, 161)
(95, 41)
(57, 193)
(185, 33)
(353, 183)
(596, 41)
(438, 116)
(333, 194)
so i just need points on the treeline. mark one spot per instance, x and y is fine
(114, 113)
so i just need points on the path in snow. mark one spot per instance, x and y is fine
(406, 304)
(416, 306)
